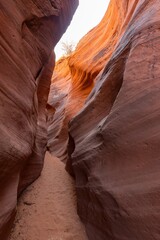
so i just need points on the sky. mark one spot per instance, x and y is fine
(88, 14)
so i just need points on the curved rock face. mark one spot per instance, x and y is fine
(114, 140)
(29, 31)
(75, 75)
(58, 109)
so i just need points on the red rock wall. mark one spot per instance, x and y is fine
(29, 31)
(58, 109)
(114, 140)
(75, 75)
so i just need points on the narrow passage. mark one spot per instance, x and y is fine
(47, 208)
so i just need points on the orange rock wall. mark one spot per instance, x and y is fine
(57, 110)
(114, 139)
(75, 75)
(29, 31)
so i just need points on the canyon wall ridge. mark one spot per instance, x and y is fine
(29, 31)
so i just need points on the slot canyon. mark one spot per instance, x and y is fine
(79, 145)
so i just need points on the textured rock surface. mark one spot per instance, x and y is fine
(74, 76)
(58, 109)
(29, 30)
(114, 140)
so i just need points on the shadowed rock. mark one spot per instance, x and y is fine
(29, 31)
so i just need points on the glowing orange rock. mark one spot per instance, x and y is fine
(74, 76)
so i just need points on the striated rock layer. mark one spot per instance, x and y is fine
(29, 30)
(75, 75)
(114, 140)
(57, 109)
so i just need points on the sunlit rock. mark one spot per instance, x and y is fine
(75, 75)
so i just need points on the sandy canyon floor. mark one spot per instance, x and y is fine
(47, 209)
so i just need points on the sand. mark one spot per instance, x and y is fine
(47, 208)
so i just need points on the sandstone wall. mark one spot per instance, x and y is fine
(114, 140)
(75, 75)
(29, 31)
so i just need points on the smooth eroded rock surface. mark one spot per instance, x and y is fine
(29, 30)
(75, 75)
(114, 140)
